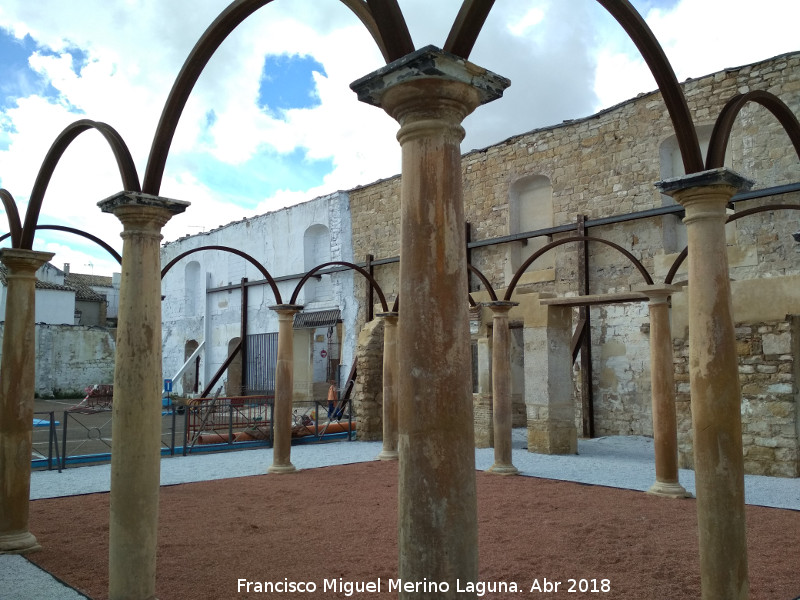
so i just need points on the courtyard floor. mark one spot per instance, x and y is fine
(335, 525)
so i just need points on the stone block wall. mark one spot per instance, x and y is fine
(621, 374)
(606, 165)
(69, 358)
(368, 393)
(768, 375)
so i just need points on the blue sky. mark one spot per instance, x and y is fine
(272, 121)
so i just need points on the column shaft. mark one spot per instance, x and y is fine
(284, 391)
(136, 424)
(438, 531)
(715, 392)
(17, 387)
(501, 389)
(429, 92)
(662, 390)
(389, 450)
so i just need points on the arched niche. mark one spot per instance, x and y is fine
(190, 380)
(316, 251)
(674, 236)
(233, 384)
(192, 291)
(530, 207)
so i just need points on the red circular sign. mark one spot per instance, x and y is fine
(323, 354)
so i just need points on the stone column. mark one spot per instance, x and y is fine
(284, 391)
(714, 381)
(389, 450)
(17, 387)
(429, 92)
(501, 388)
(136, 429)
(548, 381)
(482, 401)
(662, 392)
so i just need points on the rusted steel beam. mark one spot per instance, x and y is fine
(468, 24)
(577, 338)
(364, 14)
(221, 370)
(577, 238)
(241, 253)
(84, 234)
(12, 214)
(673, 270)
(641, 35)
(127, 169)
(370, 279)
(722, 128)
(392, 27)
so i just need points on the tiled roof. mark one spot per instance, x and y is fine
(46, 285)
(90, 280)
(82, 291)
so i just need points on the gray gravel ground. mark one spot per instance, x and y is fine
(622, 462)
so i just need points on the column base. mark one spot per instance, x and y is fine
(497, 469)
(552, 437)
(669, 490)
(388, 455)
(281, 469)
(19, 543)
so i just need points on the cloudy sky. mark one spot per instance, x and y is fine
(272, 121)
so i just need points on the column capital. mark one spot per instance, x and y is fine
(142, 210)
(429, 63)
(704, 179)
(287, 308)
(500, 306)
(388, 315)
(22, 259)
(658, 293)
(120, 199)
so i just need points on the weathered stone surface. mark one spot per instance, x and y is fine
(368, 394)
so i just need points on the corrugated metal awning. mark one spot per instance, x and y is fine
(319, 318)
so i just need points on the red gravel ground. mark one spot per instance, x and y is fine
(340, 522)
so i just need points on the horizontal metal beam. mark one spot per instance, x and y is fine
(675, 209)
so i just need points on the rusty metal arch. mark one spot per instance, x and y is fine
(466, 27)
(485, 283)
(12, 214)
(244, 255)
(473, 14)
(576, 238)
(472, 269)
(127, 170)
(79, 232)
(724, 124)
(642, 36)
(198, 58)
(673, 270)
(349, 265)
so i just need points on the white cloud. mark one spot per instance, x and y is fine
(565, 59)
(700, 37)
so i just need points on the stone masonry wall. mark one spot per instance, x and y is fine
(368, 393)
(768, 374)
(69, 358)
(602, 166)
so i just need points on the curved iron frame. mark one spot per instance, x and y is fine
(673, 270)
(724, 124)
(228, 20)
(349, 265)
(576, 238)
(127, 170)
(244, 255)
(66, 229)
